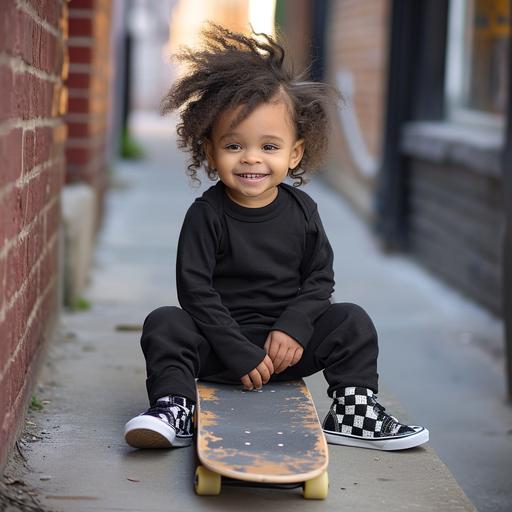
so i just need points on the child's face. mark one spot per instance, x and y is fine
(254, 157)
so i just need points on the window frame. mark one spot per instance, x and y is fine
(460, 14)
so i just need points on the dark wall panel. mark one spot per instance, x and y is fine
(456, 226)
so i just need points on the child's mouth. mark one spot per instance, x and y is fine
(251, 177)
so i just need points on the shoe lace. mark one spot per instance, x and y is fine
(381, 411)
(177, 415)
(389, 423)
(163, 409)
(379, 408)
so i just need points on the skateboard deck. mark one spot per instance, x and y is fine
(269, 436)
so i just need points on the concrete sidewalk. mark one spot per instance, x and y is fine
(94, 379)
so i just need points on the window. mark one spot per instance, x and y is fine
(477, 61)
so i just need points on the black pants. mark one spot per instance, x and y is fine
(343, 345)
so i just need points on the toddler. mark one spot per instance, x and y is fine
(254, 269)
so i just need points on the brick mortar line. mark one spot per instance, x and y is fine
(87, 142)
(21, 393)
(80, 93)
(76, 67)
(83, 118)
(24, 6)
(18, 65)
(9, 244)
(81, 42)
(8, 417)
(21, 290)
(30, 319)
(28, 177)
(30, 124)
(81, 13)
(3, 193)
(8, 305)
(36, 171)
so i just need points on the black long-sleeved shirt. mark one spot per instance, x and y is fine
(269, 266)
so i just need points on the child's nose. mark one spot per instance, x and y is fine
(251, 157)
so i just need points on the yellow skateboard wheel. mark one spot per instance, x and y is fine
(207, 483)
(316, 488)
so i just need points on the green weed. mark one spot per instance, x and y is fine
(36, 404)
(129, 148)
(81, 304)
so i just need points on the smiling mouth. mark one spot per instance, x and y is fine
(252, 176)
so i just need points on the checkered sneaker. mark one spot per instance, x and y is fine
(357, 419)
(167, 423)
(177, 411)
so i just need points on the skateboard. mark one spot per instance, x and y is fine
(266, 438)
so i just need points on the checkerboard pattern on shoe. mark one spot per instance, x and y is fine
(166, 424)
(177, 411)
(357, 419)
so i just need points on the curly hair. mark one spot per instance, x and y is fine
(231, 70)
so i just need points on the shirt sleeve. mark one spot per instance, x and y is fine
(297, 319)
(198, 244)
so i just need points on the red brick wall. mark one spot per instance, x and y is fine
(296, 31)
(32, 166)
(357, 42)
(88, 83)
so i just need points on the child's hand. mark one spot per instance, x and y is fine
(260, 375)
(283, 350)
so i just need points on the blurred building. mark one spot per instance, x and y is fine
(420, 145)
(148, 24)
(440, 195)
(89, 81)
(420, 137)
(158, 29)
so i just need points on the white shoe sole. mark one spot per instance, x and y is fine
(404, 442)
(150, 432)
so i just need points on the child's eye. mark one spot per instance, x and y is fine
(270, 147)
(233, 147)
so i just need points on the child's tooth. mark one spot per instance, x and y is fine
(251, 176)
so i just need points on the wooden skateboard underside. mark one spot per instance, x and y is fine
(272, 435)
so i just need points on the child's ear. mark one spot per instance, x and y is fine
(296, 153)
(208, 151)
